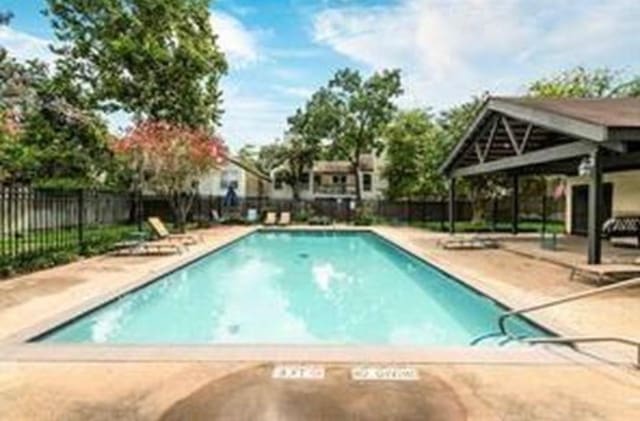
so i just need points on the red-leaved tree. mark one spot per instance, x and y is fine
(170, 160)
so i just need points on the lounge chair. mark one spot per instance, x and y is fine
(215, 217)
(161, 231)
(252, 215)
(270, 219)
(285, 218)
(468, 243)
(142, 246)
(605, 272)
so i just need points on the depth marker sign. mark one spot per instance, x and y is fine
(373, 373)
(298, 372)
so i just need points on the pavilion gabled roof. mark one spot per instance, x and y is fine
(540, 134)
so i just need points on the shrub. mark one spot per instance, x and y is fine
(364, 216)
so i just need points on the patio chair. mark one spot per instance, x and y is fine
(161, 231)
(252, 215)
(215, 217)
(143, 246)
(270, 219)
(468, 243)
(285, 218)
(605, 272)
(625, 227)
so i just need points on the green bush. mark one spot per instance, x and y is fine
(363, 216)
(319, 220)
(303, 215)
(97, 240)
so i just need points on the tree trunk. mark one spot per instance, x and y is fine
(295, 188)
(477, 211)
(180, 205)
(356, 174)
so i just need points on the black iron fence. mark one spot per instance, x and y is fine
(42, 222)
(533, 209)
(34, 223)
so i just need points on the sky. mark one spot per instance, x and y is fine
(448, 50)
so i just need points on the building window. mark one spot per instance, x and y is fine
(317, 180)
(366, 182)
(339, 179)
(229, 178)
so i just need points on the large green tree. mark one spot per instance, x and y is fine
(581, 82)
(288, 159)
(352, 112)
(49, 133)
(156, 59)
(53, 138)
(415, 148)
(264, 158)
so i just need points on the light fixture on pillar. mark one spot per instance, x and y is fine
(586, 166)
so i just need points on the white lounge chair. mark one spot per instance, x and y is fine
(285, 218)
(468, 243)
(270, 219)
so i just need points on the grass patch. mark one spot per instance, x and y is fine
(48, 248)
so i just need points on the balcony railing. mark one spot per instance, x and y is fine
(337, 189)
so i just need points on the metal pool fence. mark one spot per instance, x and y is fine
(36, 223)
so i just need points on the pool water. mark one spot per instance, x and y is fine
(297, 287)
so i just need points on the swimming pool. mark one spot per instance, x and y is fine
(297, 287)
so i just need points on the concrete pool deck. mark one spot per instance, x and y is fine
(540, 383)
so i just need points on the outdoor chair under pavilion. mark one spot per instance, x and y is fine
(475, 242)
(518, 137)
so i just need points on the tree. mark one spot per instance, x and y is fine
(53, 137)
(584, 83)
(352, 113)
(156, 59)
(290, 159)
(415, 149)
(170, 160)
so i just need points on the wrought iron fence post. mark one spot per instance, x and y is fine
(81, 221)
(544, 213)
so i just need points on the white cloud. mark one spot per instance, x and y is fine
(236, 40)
(250, 117)
(24, 46)
(449, 50)
(294, 91)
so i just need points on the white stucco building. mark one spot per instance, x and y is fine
(334, 180)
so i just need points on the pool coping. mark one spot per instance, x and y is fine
(16, 347)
